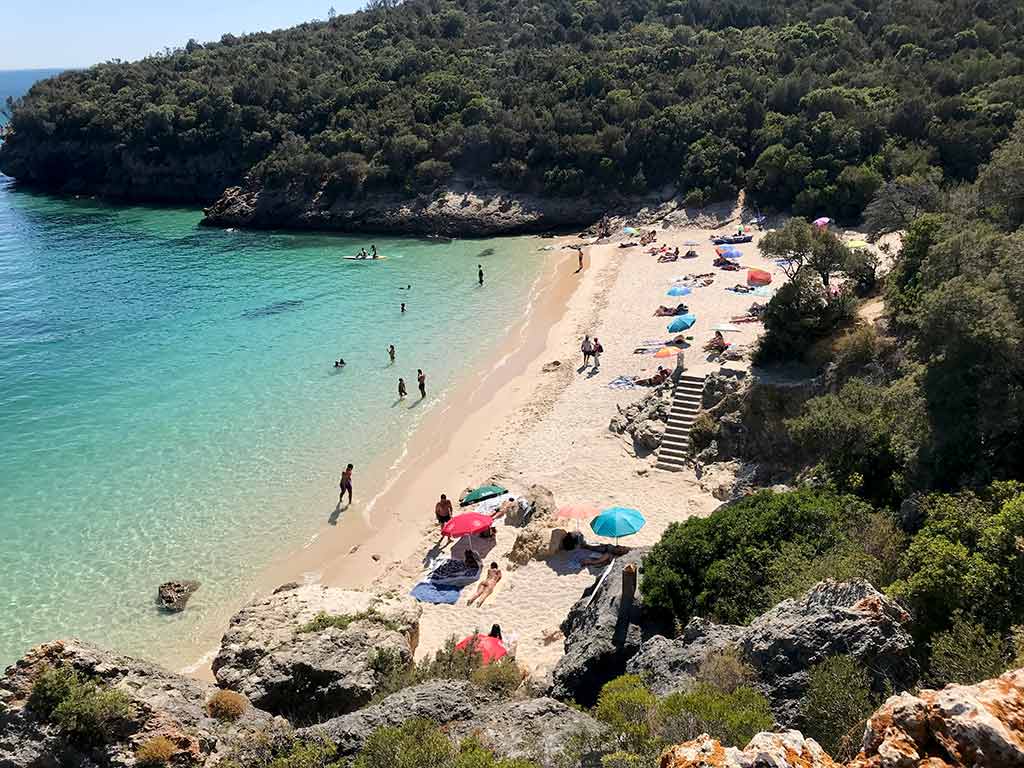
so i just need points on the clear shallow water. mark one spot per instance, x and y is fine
(168, 406)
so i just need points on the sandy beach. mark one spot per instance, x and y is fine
(519, 422)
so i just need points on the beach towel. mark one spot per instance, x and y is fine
(427, 592)
(449, 572)
(622, 382)
(762, 290)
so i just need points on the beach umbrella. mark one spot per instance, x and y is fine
(680, 290)
(466, 525)
(727, 327)
(481, 493)
(824, 221)
(489, 648)
(577, 512)
(682, 323)
(617, 521)
(758, 277)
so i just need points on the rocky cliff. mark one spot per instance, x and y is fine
(960, 726)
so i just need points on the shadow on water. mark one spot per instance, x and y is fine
(274, 309)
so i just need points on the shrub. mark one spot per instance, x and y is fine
(966, 654)
(51, 686)
(502, 676)
(86, 712)
(323, 621)
(702, 431)
(837, 704)
(800, 313)
(733, 718)
(156, 751)
(725, 670)
(92, 715)
(227, 706)
(627, 707)
(721, 566)
(421, 744)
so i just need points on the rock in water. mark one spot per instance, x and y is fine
(832, 618)
(601, 634)
(165, 704)
(537, 729)
(173, 595)
(286, 665)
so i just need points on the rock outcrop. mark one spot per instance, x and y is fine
(602, 631)
(173, 595)
(961, 726)
(537, 729)
(832, 618)
(540, 537)
(164, 704)
(645, 420)
(283, 664)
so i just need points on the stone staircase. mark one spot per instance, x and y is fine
(675, 445)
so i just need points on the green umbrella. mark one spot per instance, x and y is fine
(481, 493)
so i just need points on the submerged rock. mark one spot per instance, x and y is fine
(164, 705)
(832, 618)
(173, 595)
(274, 655)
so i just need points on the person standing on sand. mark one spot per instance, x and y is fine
(421, 379)
(391, 352)
(346, 485)
(587, 348)
(443, 512)
(401, 388)
(480, 273)
(598, 349)
(580, 254)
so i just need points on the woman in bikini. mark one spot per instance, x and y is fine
(486, 586)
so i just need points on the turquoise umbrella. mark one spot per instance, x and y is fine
(617, 521)
(680, 290)
(682, 323)
(482, 493)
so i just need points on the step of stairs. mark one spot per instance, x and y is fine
(686, 404)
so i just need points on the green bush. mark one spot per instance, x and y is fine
(84, 710)
(323, 621)
(726, 670)
(421, 744)
(965, 653)
(502, 677)
(837, 705)
(702, 431)
(155, 752)
(628, 708)
(227, 705)
(733, 718)
(727, 566)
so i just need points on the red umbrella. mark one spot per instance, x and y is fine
(467, 525)
(490, 648)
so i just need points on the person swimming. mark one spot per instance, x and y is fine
(339, 363)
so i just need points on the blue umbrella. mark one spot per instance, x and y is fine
(682, 323)
(679, 290)
(617, 521)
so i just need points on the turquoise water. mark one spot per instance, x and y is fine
(168, 405)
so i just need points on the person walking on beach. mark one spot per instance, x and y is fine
(391, 353)
(598, 349)
(579, 253)
(443, 512)
(421, 379)
(480, 273)
(346, 485)
(587, 348)
(401, 388)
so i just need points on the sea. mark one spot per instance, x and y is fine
(169, 405)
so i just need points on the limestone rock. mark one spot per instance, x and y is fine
(533, 729)
(542, 501)
(648, 435)
(832, 618)
(313, 675)
(601, 634)
(645, 419)
(766, 750)
(173, 595)
(961, 725)
(165, 704)
(717, 385)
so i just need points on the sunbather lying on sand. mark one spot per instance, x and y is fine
(663, 311)
(486, 586)
(652, 381)
(668, 257)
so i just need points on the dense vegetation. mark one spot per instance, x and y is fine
(808, 105)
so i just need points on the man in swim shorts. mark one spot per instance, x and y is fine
(346, 485)
(421, 379)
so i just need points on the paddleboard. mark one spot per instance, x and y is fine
(357, 258)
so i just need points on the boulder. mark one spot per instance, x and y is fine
(164, 704)
(961, 725)
(648, 435)
(766, 750)
(832, 618)
(537, 729)
(602, 631)
(645, 419)
(173, 595)
(717, 385)
(542, 501)
(283, 665)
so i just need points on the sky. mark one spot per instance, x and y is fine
(76, 33)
